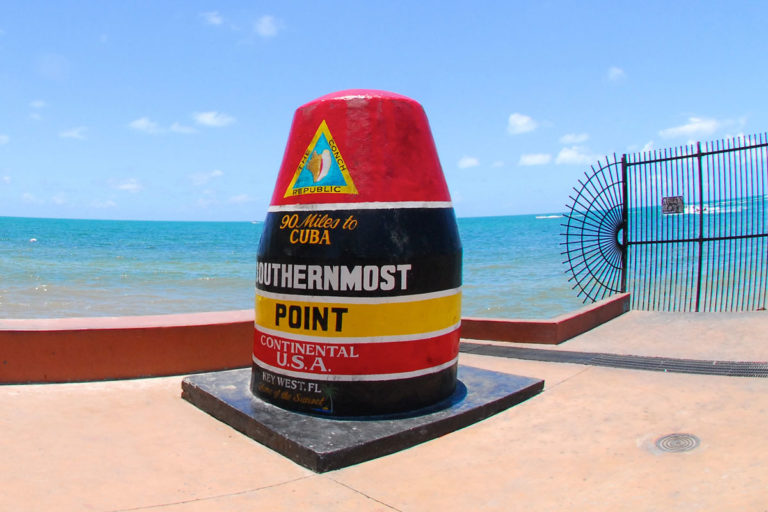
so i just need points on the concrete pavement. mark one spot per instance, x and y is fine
(586, 443)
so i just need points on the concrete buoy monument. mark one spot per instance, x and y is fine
(358, 288)
(358, 296)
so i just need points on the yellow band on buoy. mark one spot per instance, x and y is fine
(335, 317)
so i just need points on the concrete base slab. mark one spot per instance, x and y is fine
(323, 444)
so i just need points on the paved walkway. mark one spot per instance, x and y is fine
(586, 443)
(705, 336)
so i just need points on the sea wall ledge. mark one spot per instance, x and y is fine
(105, 348)
(551, 332)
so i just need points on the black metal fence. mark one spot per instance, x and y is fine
(681, 229)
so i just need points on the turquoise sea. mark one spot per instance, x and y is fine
(53, 268)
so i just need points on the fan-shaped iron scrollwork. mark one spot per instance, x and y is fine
(593, 248)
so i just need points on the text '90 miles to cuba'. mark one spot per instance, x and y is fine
(314, 228)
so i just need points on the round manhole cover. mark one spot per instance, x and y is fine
(677, 443)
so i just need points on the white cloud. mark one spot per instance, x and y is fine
(741, 136)
(267, 26)
(131, 185)
(574, 138)
(466, 162)
(4, 139)
(201, 178)
(535, 159)
(53, 67)
(240, 198)
(575, 155)
(520, 123)
(648, 147)
(31, 198)
(6, 179)
(616, 74)
(37, 105)
(695, 127)
(212, 17)
(144, 124)
(497, 163)
(213, 118)
(180, 128)
(74, 133)
(103, 204)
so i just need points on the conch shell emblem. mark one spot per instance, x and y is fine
(323, 162)
(319, 164)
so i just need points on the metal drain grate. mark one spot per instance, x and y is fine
(678, 443)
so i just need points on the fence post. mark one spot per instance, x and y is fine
(624, 223)
(701, 223)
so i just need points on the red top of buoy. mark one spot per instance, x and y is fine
(359, 146)
(362, 93)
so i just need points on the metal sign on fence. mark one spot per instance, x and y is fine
(681, 229)
(673, 204)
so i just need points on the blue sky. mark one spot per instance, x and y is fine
(180, 110)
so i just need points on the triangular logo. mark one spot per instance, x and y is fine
(322, 169)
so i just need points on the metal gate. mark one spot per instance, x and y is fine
(681, 229)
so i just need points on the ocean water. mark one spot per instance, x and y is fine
(52, 268)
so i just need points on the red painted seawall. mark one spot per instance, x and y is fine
(83, 349)
(553, 331)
